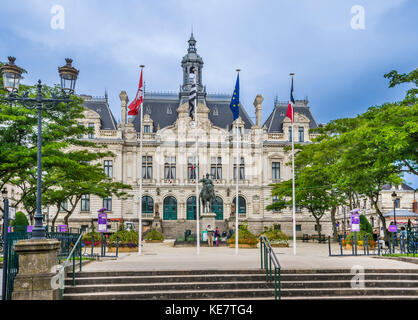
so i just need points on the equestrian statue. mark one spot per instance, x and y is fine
(207, 194)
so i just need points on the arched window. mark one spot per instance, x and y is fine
(170, 208)
(191, 208)
(218, 208)
(147, 204)
(242, 208)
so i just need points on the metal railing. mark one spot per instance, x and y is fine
(11, 257)
(268, 262)
(368, 247)
(77, 246)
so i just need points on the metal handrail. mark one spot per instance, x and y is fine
(61, 272)
(267, 257)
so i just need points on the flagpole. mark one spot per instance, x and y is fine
(140, 176)
(237, 181)
(293, 178)
(197, 169)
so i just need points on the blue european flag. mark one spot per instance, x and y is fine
(235, 100)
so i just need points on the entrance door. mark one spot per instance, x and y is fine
(170, 208)
(218, 208)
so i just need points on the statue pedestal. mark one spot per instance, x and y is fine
(207, 219)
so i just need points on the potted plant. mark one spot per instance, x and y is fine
(276, 237)
(245, 238)
(154, 236)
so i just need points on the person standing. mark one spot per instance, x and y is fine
(217, 235)
(210, 235)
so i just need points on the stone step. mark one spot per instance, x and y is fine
(234, 285)
(242, 293)
(232, 278)
(167, 287)
(127, 273)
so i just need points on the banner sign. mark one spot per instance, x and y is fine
(62, 228)
(393, 228)
(102, 222)
(29, 228)
(355, 220)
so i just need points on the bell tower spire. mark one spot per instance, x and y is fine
(190, 61)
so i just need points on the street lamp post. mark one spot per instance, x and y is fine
(11, 79)
(5, 241)
(394, 197)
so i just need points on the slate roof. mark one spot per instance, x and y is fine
(157, 107)
(101, 106)
(404, 187)
(400, 213)
(274, 122)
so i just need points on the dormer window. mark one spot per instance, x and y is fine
(148, 109)
(169, 111)
(216, 111)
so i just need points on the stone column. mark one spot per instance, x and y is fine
(124, 103)
(258, 108)
(34, 280)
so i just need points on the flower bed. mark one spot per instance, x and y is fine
(245, 238)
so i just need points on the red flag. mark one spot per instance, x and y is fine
(290, 108)
(136, 103)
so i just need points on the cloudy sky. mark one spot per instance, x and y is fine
(339, 68)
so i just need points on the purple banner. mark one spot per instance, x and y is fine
(29, 228)
(62, 228)
(355, 220)
(102, 222)
(393, 228)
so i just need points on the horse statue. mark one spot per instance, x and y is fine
(207, 194)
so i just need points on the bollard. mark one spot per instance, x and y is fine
(355, 240)
(329, 245)
(92, 245)
(367, 240)
(364, 246)
(117, 245)
(341, 246)
(352, 246)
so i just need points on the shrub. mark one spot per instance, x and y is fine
(21, 222)
(244, 236)
(365, 225)
(275, 236)
(154, 235)
(88, 236)
(125, 237)
(360, 236)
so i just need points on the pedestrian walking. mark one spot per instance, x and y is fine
(217, 235)
(210, 235)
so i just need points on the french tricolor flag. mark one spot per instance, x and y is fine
(290, 108)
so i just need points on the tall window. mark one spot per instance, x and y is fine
(216, 168)
(170, 168)
(191, 168)
(64, 205)
(275, 170)
(146, 167)
(275, 199)
(242, 208)
(290, 134)
(91, 135)
(79, 136)
(241, 169)
(301, 134)
(147, 128)
(147, 204)
(397, 203)
(85, 202)
(108, 168)
(107, 203)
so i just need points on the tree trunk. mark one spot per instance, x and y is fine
(318, 226)
(334, 224)
(55, 217)
(382, 220)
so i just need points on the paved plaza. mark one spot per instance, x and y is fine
(164, 256)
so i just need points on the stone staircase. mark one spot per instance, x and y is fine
(240, 284)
